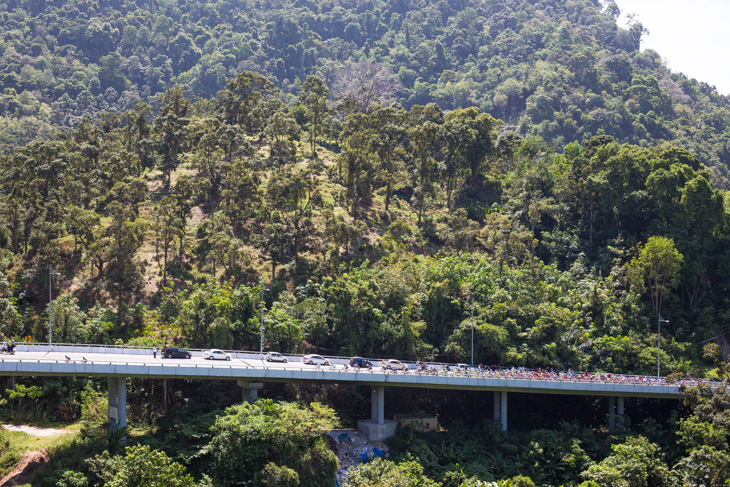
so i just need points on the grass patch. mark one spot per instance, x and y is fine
(65, 452)
(23, 442)
(13, 444)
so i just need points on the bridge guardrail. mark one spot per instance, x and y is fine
(622, 380)
(100, 348)
(248, 354)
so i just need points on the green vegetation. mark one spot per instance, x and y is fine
(565, 259)
(8, 457)
(271, 440)
(281, 444)
(384, 171)
(386, 473)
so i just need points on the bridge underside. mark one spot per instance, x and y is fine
(251, 378)
(524, 386)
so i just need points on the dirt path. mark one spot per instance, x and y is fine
(25, 471)
(32, 430)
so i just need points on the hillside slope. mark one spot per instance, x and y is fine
(377, 230)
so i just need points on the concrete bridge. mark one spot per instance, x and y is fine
(250, 372)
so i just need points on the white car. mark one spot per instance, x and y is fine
(313, 359)
(393, 364)
(275, 357)
(215, 354)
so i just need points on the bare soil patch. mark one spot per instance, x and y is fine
(26, 470)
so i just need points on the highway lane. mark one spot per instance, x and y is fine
(294, 363)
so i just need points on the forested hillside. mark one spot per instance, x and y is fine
(560, 69)
(163, 227)
(391, 174)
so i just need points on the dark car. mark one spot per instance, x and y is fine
(359, 362)
(174, 352)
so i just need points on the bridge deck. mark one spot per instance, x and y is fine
(42, 361)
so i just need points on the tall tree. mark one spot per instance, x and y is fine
(82, 224)
(167, 226)
(295, 195)
(240, 103)
(657, 267)
(387, 131)
(184, 195)
(126, 236)
(209, 161)
(68, 320)
(425, 143)
(313, 95)
(357, 163)
(241, 193)
(281, 131)
(171, 130)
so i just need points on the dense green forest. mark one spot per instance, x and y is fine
(393, 173)
(562, 70)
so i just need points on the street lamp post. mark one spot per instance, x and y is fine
(472, 330)
(659, 342)
(50, 301)
(261, 327)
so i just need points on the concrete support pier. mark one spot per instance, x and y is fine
(500, 408)
(503, 410)
(497, 405)
(620, 419)
(377, 428)
(374, 403)
(250, 390)
(611, 414)
(117, 390)
(616, 415)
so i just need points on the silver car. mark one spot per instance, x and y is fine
(393, 364)
(215, 354)
(314, 359)
(275, 357)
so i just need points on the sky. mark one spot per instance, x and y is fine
(692, 36)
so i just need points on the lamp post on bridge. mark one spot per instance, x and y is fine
(261, 327)
(51, 273)
(472, 330)
(659, 343)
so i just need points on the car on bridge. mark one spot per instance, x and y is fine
(174, 352)
(215, 354)
(393, 364)
(359, 362)
(275, 357)
(314, 359)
